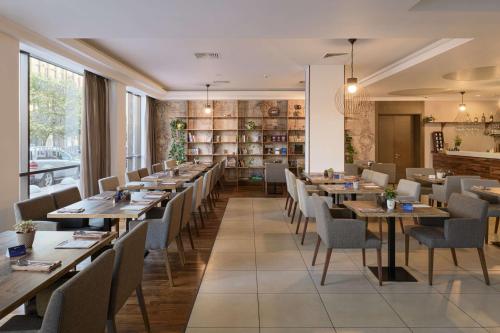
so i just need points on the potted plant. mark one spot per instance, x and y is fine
(390, 196)
(349, 149)
(330, 172)
(25, 231)
(251, 125)
(457, 142)
(178, 140)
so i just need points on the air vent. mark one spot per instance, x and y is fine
(221, 82)
(206, 55)
(302, 82)
(331, 55)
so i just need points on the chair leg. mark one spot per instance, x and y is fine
(180, 248)
(201, 217)
(206, 208)
(454, 256)
(316, 249)
(327, 263)
(497, 222)
(381, 233)
(298, 222)
(111, 325)
(169, 269)
(486, 234)
(294, 210)
(190, 235)
(195, 221)
(407, 249)
(379, 265)
(290, 207)
(480, 252)
(416, 221)
(305, 230)
(286, 202)
(142, 305)
(431, 264)
(363, 255)
(401, 225)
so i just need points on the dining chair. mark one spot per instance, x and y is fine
(442, 193)
(36, 210)
(170, 164)
(222, 173)
(351, 169)
(380, 179)
(367, 175)
(306, 207)
(108, 184)
(386, 168)
(163, 232)
(127, 274)
(133, 176)
(274, 173)
(186, 213)
(213, 181)
(289, 199)
(79, 305)
(342, 233)
(197, 201)
(465, 228)
(493, 201)
(207, 177)
(409, 191)
(143, 172)
(158, 167)
(410, 172)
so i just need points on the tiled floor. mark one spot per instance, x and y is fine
(260, 279)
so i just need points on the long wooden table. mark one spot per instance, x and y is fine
(423, 179)
(317, 178)
(370, 209)
(487, 191)
(340, 189)
(18, 287)
(156, 186)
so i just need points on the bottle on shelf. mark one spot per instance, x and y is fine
(483, 118)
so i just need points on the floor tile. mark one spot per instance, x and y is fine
(460, 282)
(229, 282)
(234, 245)
(373, 330)
(231, 233)
(231, 261)
(267, 243)
(292, 310)
(450, 330)
(343, 282)
(221, 330)
(285, 282)
(297, 330)
(284, 260)
(428, 310)
(483, 308)
(225, 310)
(360, 310)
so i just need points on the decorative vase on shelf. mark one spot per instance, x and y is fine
(391, 204)
(26, 238)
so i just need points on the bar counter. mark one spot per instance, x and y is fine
(486, 165)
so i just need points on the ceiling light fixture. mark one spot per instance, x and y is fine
(208, 108)
(352, 82)
(462, 107)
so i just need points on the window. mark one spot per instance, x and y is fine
(134, 123)
(51, 111)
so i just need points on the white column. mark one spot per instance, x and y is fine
(118, 128)
(9, 129)
(324, 124)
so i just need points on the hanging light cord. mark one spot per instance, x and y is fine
(207, 92)
(352, 58)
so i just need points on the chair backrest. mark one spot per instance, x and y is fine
(66, 197)
(158, 167)
(80, 305)
(304, 199)
(133, 176)
(128, 266)
(215, 175)
(223, 167)
(170, 164)
(143, 172)
(467, 183)
(207, 177)
(275, 172)
(35, 209)
(379, 178)
(173, 216)
(293, 185)
(198, 193)
(351, 169)
(419, 171)
(367, 175)
(408, 190)
(108, 184)
(188, 205)
(386, 168)
(453, 184)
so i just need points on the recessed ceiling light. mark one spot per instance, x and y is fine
(221, 82)
(206, 55)
(266, 76)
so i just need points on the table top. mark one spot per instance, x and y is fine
(17, 287)
(159, 186)
(370, 209)
(341, 189)
(317, 178)
(490, 191)
(107, 208)
(426, 179)
(165, 177)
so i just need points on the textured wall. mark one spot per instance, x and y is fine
(363, 135)
(167, 111)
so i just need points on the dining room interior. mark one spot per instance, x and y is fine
(255, 166)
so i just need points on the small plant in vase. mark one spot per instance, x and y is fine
(457, 142)
(390, 195)
(25, 231)
(178, 140)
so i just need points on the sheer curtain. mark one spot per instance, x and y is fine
(95, 163)
(151, 104)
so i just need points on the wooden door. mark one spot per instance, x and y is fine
(397, 141)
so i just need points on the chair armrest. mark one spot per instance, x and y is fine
(470, 194)
(464, 232)
(49, 225)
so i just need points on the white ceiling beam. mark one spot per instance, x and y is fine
(233, 95)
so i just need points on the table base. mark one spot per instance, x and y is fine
(402, 275)
(495, 243)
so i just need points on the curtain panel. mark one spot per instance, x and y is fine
(151, 107)
(96, 157)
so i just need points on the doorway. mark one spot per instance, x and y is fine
(398, 141)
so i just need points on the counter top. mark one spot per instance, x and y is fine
(474, 154)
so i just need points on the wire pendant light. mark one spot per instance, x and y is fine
(208, 107)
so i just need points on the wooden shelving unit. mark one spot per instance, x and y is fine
(247, 135)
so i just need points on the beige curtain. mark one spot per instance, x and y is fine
(151, 106)
(96, 157)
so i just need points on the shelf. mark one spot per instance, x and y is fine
(198, 142)
(280, 155)
(221, 143)
(250, 154)
(276, 130)
(296, 117)
(252, 167)
(235, 155)
(196, 117)
(282, 142)
(196, 129)
(257, 142)
(250, 130)
(226, 129)
(231, 117)
(199, 154)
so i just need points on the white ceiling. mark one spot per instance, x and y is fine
(273, 38)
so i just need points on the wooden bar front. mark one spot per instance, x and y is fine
(467, 165)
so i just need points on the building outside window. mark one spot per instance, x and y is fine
(134, 124)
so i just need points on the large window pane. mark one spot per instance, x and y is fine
(55, 110)
(133, 132)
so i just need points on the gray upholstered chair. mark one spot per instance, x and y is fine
(214, 194)
(158, 167)
(306, 207)
(108, 184)
(127, 274)
(351, 169)
(196, 204)
(274, 173)
(441, 193)
(407, 191)
(410, 172)
(186, 213)
(367, 175)
(493, 201)
(379, 178)
(342, 233)
(143, 172)
(79, 305)
(133, 176)
(163, 232)
(205, 199)
(170, 164)
(223, 165)
(291, 184)
(465, 228)
(386, 168)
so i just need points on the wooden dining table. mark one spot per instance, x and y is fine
(317, 178)
(18, 287)
(486, 191)
(369, 209)
(424, 179)
(336, 190)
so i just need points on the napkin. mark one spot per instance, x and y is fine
(35, 265)
(71, 210)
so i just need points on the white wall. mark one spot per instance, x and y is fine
(9, 128)
(324, 124)
(117, 118)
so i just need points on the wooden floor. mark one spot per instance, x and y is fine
(169, 308)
